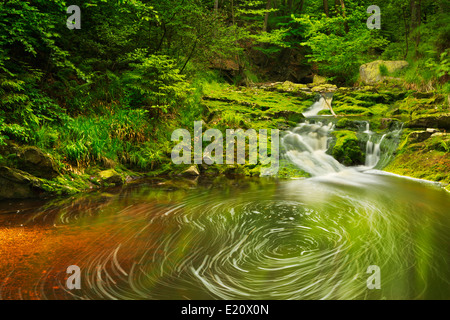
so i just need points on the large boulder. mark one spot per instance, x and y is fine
(370, 74)
(36, 162)
(17, 184)
(317, 80)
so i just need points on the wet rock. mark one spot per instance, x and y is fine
(37, 163)
(111, 177)
(370, 72)
(419, 136)
(441, 122)
(192, 171)
(385, 123)
(17, 184)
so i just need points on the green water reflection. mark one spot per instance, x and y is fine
(245, 239)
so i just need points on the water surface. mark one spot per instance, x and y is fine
(233, 239)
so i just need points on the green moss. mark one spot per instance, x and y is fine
(428, 159)
(416, 107)
(288, 170)
(346, 149)
(383, 70)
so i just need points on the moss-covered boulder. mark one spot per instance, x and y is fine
(111, 177)
(372, 73)
(17, 184)
(319, 80)
(442, 122)
(37, 163)
(346, 149)
(289, 86)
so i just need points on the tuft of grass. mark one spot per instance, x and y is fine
(383, 70)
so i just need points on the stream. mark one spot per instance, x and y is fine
(237, 238)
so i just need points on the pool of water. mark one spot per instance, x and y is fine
(233, 239)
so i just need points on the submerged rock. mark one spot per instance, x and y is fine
(370, 72)
(17, 184)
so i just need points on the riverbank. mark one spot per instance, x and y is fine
(423, 150)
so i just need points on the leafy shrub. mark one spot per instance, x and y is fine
(155, 82)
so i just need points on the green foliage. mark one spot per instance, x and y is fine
(155, 82)
(339, 45)
(383, 70)
(441, 67)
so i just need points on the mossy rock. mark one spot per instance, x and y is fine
(111, 177)
(442, 122)
(289, 115)
(370, 72)
(346, 149)
(324, 88)
(192, 171)
(317, 80)
(17, 184)
(346, 123)
(37, 163)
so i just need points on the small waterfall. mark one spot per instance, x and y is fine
(373, 149)
(306, 147)
(307, 144)
(373, 152)
(322, 104)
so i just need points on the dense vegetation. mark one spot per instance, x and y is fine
(109, 95)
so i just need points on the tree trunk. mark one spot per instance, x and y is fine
(289, 5)
(325, 7)
(405, 20)
(344, 15)
(216, 6)
(266, 18)
(416, 14)
(232, 12)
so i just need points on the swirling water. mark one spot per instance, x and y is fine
(234, 239)
(220, 238)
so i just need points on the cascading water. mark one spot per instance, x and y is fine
(373, 149)
(373, 152)
(321, 104)
(306, 147)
